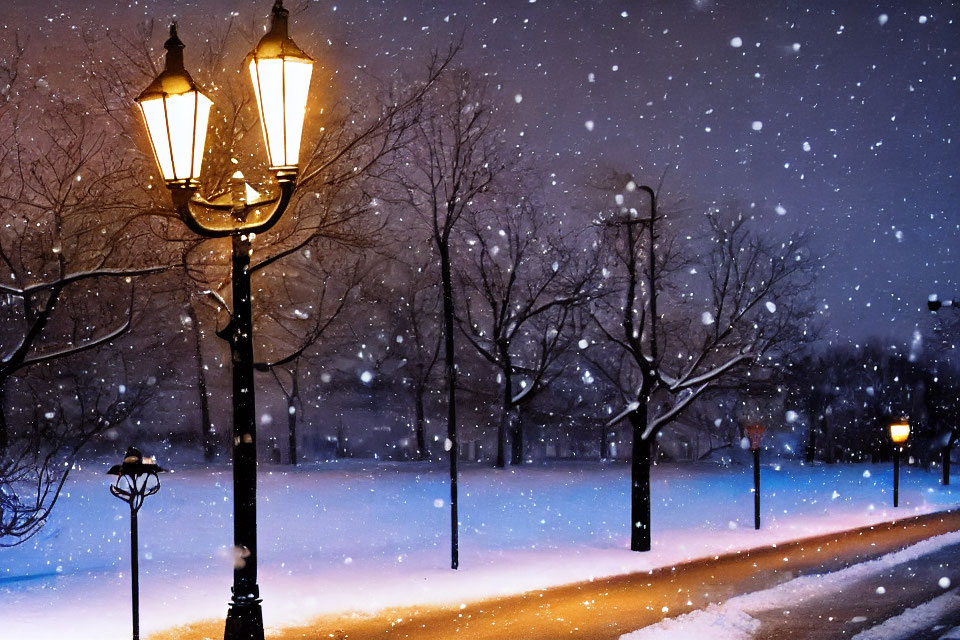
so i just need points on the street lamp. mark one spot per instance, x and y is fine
(176, 113)
(755, 434)
(934, 304)
(136, 479)
(899, 432)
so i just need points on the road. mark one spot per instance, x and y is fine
(867, 603)
(607, 608)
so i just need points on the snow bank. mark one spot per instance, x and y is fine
(354, 536)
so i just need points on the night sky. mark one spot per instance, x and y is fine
(837, 115)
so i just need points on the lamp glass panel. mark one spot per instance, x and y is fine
(899, 432)
(185, 116)
(297, 86)
(281, 86)
(156, 120)
(204, 105)
(183, 112)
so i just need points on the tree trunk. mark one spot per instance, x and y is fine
(830, 452)
(341, 441)
(423, 453)
(292, 401)
(507, 401)
(516, 436)
(640, 483)
(811, 452)
(4, 436)
(604, 444)
(946, 460)
(450, 372)
(208, 436)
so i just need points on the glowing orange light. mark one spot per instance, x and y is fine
(900, 431)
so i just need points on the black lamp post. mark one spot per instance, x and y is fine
(136, 479)
(899, 432)
(176, 113)
(755, 434)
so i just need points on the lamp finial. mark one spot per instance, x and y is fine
(174, 47)
(278, 22)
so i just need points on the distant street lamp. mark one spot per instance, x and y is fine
(899, 432)
(755, 434)
(934, 304)
(176, 113)
(136, 479)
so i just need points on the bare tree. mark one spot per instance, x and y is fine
(678, 336)
(415, 300)
(324, 287)
(64, 200)
(43, 447)
(523, 284)
(454, 158)
(208, 435)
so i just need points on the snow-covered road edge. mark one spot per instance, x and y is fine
(914, 619)
(732, 620)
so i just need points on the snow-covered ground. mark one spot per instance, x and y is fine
(355, 536)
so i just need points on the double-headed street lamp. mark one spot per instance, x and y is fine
(176, 113)
(899, 432)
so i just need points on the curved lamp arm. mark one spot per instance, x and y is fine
(223, 217)
(134, 488)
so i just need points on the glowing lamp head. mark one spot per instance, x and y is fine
(900, 431)
(280, 72)
(176, 113)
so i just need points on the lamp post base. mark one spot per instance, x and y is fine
(244, 620)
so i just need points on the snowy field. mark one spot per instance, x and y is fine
(360, 536)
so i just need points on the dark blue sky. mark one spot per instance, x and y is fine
(841, 116)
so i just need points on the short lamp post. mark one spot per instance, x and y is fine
(176, 113)
(755, 434)
(136, 479)
(899, 432)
